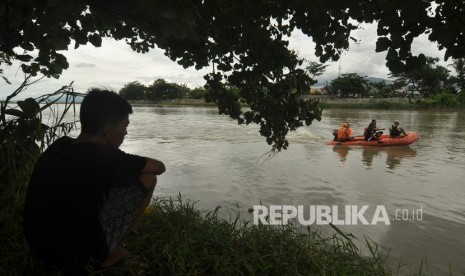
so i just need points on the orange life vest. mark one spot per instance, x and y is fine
(341, 133)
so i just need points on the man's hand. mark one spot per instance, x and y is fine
(154, 166)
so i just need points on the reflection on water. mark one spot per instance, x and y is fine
(342, 152)
(394, 155)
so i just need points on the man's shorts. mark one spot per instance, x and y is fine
(118, 211)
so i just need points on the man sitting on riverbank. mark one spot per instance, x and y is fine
(85, 194)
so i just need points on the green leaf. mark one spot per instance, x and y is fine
(14, 112)
(3, 10)
(382, 44)
(168, 13)
(51, 3)
(23, 58)
(27, 46)
(80, 37)
(29, 106)
(59, 43)
(61, 60)
(95, 39)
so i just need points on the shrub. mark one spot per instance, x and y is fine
(444, 100)
(23, 137)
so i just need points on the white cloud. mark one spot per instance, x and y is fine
(361, 58)
(111, 66)
(84, 65)
(115, 64)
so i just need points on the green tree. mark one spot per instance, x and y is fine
(162, 90)
(4, 59)
(315, 69)
(382, 89)
(184, 91)
(350, 85)
(427, 79)
(459, 67)
(198, 93)
(247, 41)
(134, 91)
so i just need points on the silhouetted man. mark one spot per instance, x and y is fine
(85, 193)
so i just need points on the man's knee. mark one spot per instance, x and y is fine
(148, 180)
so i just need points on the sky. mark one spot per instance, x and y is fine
(114, 64)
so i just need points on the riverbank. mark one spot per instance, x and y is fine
(437, 102)
(367, 103)
(176, 239)
(325, 103)
(174, 102)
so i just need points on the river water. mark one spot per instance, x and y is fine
(213, 160)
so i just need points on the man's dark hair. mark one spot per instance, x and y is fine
(101, 107)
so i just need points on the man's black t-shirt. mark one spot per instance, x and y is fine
(64, 196)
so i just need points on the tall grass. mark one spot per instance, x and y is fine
(439, 101)
(177, 239)
(23, 136)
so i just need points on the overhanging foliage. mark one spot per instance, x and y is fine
(244, 40)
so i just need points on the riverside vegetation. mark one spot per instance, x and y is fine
(441, 101)
(382, 95)
(174, 238)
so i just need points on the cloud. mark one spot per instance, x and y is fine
(361, 57)
(85, 65)
(115, 64)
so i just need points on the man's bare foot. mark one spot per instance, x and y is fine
(117, 255)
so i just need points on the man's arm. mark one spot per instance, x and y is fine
(153, 166)
(403, 131)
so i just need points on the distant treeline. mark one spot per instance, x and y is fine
(427, 81)
(430, 82)
(160, 90)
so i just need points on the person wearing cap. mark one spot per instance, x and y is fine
(344, 133)
(372, 132)
(396, 130)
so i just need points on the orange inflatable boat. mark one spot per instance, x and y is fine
(384, 141)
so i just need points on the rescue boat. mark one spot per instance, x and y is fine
(384, 141)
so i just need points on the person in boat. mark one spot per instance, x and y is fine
(372, 132)
(344, 133)
(396, 130)
(85, 194)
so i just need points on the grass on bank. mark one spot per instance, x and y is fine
(445, 101)
(177, 239)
